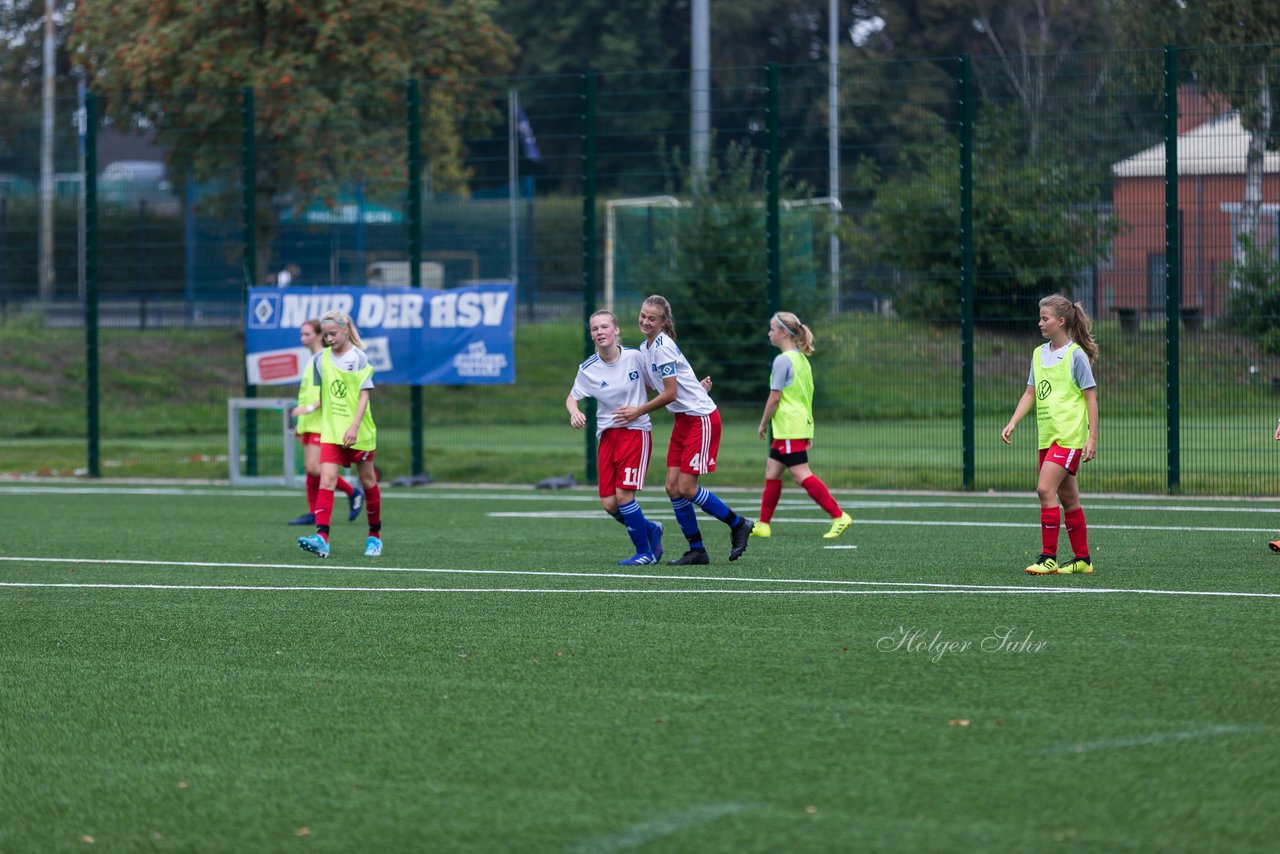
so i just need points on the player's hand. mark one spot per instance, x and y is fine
(706, 383)
(1278, 432)
(577, 420)
(1007, 433)
(626, 414)
(1090, 450)
(349, 438)
(762, 430)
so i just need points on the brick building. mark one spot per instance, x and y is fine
(1212, 146)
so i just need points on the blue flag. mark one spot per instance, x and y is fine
(528, 142)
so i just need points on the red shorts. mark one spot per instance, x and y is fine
(791, 446)
(342, 455)
(1068, 458)
(623, 459)
(695, 441)
(309, 438)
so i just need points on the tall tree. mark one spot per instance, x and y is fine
(1033, 40)
(328, 78)
(1234, 44)
(640, 50)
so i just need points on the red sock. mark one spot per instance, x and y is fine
(1050, 521)
(769, 500)
(1078, 532)
(346, 488)
(324, 510)
(818, 492)
(373, 509)
(313, 487)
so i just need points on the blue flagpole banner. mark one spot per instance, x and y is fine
(413, 336)
(528, 142)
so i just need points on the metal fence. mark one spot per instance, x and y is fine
(916, 241)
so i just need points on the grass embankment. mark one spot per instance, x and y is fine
(888, 409)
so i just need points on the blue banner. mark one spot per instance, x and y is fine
(414, 336)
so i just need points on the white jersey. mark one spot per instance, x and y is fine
(613, 385)
(663, 359)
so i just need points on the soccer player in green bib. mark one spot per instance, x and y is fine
(789, 411)
(307, 427)
(1064, 393)
(348, 436)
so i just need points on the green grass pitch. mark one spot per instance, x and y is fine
(177, 675)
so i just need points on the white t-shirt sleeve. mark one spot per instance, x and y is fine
(784, 373)
(580, 390)
(1082, 371)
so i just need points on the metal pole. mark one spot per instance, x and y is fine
(81, 130)
(589, 250)
(513, 179)
(967, 414)
(833, 146)
(1172, 270)
(700, 89)
(417, 418)
(773, 163)
(92, 396)
(249, 238)
(48, 275)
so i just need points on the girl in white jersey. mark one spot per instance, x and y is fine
(695, 438)
(307, 413)
(348, 435)
(614, 376)
(1064, 394)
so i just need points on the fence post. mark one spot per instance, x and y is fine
(414, 121)
(1172, 269)
(589, 250)
(92, 390)
(249, 231)
(966, 268)
(773, 161)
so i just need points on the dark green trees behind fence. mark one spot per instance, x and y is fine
(710, 260)
(1039, 227)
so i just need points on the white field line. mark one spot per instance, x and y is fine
(545, 496)
(1157, 738)
(640, 834)
(1093, 526)
(663, 591)
(829, 583)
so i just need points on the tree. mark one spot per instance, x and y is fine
(1033, 41)
(328, 79)
(1234, 42)
(709, 257)
(1036, 223)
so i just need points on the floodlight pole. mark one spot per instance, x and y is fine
(48, 276)
(700, 90)
(833, 146)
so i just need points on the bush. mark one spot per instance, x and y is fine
(1037, 227)
(711, 261)
(1253, 303)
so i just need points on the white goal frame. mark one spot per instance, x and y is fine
(236, 405)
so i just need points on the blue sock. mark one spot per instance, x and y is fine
(687, 517)
(707, 500)
(637, 526)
